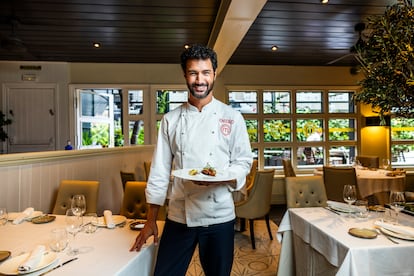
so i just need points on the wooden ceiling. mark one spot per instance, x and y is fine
(306, 32)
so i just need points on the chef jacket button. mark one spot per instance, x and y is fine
(212, 132)
(211, 154)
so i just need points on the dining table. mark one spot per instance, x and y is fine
(103, 252)
(317, 241)
(376, 181)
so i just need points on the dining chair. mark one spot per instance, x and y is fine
(368, 161)
(69, 188)
(335, 178)
(257, 204)
(147, 168)
(125, 177)
(242, 194)
(305, 191)
(134, 203)
(288, 167)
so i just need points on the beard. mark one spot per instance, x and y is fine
(193, 87)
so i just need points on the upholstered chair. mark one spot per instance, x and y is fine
(69, 188)
(125, 177)
(134, 203)
(335, 178)
(257, 204)
(288, 167)
(368, 161)
(305, 191)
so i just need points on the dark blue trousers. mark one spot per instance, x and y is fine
(178, 242)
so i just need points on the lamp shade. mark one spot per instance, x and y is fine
(376, 121)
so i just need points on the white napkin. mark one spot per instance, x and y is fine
(33, 260)
(400, 229)
(108, 219)
(24, 215)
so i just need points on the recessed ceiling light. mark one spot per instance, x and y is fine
(324, 1)
(96, 44)
(274, 48)
(186, 46)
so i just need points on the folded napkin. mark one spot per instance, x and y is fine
(108, 219)
(400, 229)
(24, 215)
(33, 260)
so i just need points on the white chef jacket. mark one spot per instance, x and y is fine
(190, 139)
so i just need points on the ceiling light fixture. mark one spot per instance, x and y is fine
(274, 48)
(96, 44)
(186, 46)
(324, 1)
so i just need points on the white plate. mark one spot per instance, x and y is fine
(15, 215)
(220, 175)
(396, 235)
(115, 218)
(10, 266)
(342, 207)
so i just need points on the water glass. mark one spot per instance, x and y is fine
(90, 222)
(58, 239)
(362, 205)
(78, 204)
(3, 216)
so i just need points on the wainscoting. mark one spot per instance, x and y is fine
(32, 179)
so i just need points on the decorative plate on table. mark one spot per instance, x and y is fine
(220, 175)
(396, 235)
(364, 233)
(15, 215)
(43, 219)
(10, 267)
(342, 207)
(137, 225)
(117, 219)
(4, 255)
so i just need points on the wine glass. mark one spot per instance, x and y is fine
(386, 163)
(397, 201)
(349, 194)
(3, 216)
(78, 204)
(73, 227)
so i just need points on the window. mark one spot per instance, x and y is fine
(402, 141)
(319, 129)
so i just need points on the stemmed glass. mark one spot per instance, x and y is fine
(3, 216)
(397, 201)
(350, 195)
(73, 227)
(386, 163)
(78, 204)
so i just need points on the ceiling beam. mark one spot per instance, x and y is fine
(233, 20)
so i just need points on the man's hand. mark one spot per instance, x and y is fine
(150, 229)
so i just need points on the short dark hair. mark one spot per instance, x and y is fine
(198, 51)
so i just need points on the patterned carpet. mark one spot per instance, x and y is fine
(263, 261)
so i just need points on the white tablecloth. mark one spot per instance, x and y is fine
(105, 252)
(325, 236)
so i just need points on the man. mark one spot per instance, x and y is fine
(200, 132)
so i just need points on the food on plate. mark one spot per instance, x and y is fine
(193, 172)
(208, 170)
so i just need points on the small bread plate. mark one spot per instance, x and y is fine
(364, 233)
(4, 255)
(10, 267)
(117, 219)
(137, 225)
(15, 215)
(43, 219)
(396, 235)
(220, 175)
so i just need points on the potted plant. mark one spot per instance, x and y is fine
(387, 62)
(3, 122)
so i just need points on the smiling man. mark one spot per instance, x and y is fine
(199, 132)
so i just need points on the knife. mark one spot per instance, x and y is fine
(56, 267)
